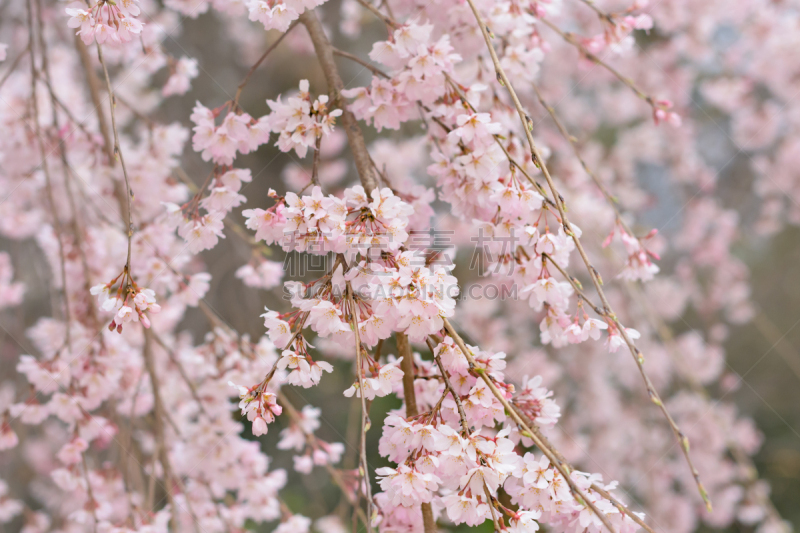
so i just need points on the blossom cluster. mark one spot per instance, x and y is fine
(237, 133)
(106, 21)
(462, 472)
(300, 122)
(279, 14)
(353, 225)
(129, 304)
(420, 66)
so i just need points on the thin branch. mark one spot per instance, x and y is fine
(158, 408)
(595, 487)
(255, 66)
(490, 503)
(499, 141)
(570, 38)
(118, 153)
(174, 358)
(291, 410)
(391, 23)
(48, 179)
(89, 492)
(347, 55)
(526, 430)
(15, 63)
(94, 93)
(365, 423)
(595, 276)
(449, 386)
(771, 332)
(237, 228)
(612, 201)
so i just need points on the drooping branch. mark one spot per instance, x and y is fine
(255, 66)
(48, 179)
(612, 201)
(365, 423)
(118, 153)
(335, 474)
(158, 426)
(527, 431)
(593, 273)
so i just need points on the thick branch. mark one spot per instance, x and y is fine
(407, 366)
(355, 137)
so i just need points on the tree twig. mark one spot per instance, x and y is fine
(593, 273)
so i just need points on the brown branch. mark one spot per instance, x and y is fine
(158, 408)
(291, 410)
(255, 66)
(513, 162)
(48, 179)
(490, 503)
(118, 153)
(407, 366)
(66, 168)
(355, 137)
(612, 201)
(315, 161)
(771, 332)
(347, 55)
(595, 487)
(174, 358)
(237, 228)
(570, 38)
(391, 23)
(449, 387)
(89, 492)
(94, 93)
(15, 63)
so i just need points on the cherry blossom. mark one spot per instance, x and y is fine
(456, 187)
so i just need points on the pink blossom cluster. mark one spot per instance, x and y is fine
(106, 21)
(299, 436)
(318, 224)
(130, 303)
(419, 68)
(238, 133)
(300, 122)
(182, 72)
(459, 471)
(278, 14)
